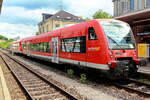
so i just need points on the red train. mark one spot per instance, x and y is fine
(104, 44)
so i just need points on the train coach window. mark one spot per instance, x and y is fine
(24, 46)
(91, 34)
(73, 45)
(40, 47)
(46, 47)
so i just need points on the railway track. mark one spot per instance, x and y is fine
(35, 85)
(134, 86)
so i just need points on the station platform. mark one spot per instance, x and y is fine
(4, 91)
(145, 69)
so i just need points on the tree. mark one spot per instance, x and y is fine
(101, 14)
(37, 33)
(3, 38)
(5, 44)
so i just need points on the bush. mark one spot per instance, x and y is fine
(83, 78)
(70, 72)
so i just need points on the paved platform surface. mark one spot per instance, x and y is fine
(1, 91)
(4, 92)
(145, 70)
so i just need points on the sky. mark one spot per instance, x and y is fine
(20, 17)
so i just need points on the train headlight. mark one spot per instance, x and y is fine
(137, 61)
(111, 54)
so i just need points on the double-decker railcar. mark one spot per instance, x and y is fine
(104, 44)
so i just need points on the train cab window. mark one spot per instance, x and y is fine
(92, 34)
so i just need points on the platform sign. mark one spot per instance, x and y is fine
(143, 50)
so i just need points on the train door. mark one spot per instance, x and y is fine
(92, 47)
(28, 48)
(55, 50)
(24, 45)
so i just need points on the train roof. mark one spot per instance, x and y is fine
(69, 28)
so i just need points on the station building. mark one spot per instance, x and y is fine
(51, 21)
(1, 1)
(137, 14)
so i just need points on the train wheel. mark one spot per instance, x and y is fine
(132, 70)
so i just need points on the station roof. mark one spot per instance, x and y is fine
(136, 18)
(1, 1)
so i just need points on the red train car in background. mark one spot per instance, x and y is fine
(104, 44)
(16, 46)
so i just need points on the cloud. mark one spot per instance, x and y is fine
(88, 8)
(20, 15)
(33, 4)
(15, 30)
(78, 7)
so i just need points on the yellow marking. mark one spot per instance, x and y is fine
(97, 48)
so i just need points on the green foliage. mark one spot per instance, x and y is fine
(70, 72)
(37, 33)
(83, 78)
(3, 38)
(101, 14)
(5, 44)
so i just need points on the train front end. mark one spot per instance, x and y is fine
(122, 56)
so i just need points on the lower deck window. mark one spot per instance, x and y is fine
(74, 45)
(40, 47)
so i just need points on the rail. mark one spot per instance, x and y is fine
(134, 86)
(32, 81)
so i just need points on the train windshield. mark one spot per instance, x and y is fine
(119, 35)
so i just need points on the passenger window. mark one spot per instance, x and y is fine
(40, 47)
(74, 44)
(92, 34)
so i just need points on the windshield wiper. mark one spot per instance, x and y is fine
(115, 42)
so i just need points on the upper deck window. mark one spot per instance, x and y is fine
(92, 34)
